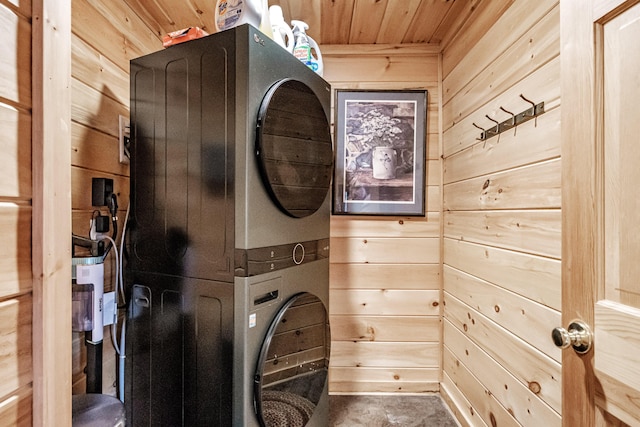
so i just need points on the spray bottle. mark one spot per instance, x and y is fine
(304, 47)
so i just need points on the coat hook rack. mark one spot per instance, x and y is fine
(524, 116)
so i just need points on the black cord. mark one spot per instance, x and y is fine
(113, 209)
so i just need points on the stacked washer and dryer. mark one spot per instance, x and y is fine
(231, 165)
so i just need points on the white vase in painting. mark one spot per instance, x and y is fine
(384, 162)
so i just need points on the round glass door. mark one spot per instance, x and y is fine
(293, 363)
(293, 144)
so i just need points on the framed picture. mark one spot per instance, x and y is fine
(380, 152)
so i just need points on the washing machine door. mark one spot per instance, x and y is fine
(293, 144)
(293, 364)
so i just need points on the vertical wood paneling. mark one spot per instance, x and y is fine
(384, 269)
(366, 20)
(502, 221)
(396, 20)
(51, 251)
(430, 20)
(335, 27)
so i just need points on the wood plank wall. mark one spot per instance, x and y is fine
(16, 281)
(501, 241)
(105, 36)
(385, 271)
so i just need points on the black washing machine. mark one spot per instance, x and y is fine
(228, 277)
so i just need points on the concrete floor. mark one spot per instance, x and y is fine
(389, 410)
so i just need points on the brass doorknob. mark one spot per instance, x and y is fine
(578, 335)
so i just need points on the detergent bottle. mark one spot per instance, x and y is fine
(282, 33)
(231, 13)
(316, 61)
(305, 46)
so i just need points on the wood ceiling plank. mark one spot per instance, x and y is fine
(397, 18)
(427, 20)
(206, 11)
(366, 20)
(332, 21)
(456, 17)
(307, 11)
(336, 21)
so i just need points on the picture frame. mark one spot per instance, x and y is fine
(380, 141)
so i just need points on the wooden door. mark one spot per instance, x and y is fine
(601, 208)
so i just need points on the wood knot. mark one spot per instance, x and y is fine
(535, 387)
(492, 418)
(486, 184)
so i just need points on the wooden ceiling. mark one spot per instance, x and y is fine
(330, 21)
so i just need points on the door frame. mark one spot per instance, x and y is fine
(51, 212)
(578, 207)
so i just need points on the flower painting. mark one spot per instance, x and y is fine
(380, 152)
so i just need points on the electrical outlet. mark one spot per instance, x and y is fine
(124, 138)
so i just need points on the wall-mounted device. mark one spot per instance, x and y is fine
(88, 288)
(101, 191)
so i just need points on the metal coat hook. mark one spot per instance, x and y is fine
(493, 120)
(533, 104)
(494, 130)
(534, 111)
(513, 116)
(482, 135)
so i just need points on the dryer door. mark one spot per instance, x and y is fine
(293, 364)
(293, 144)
